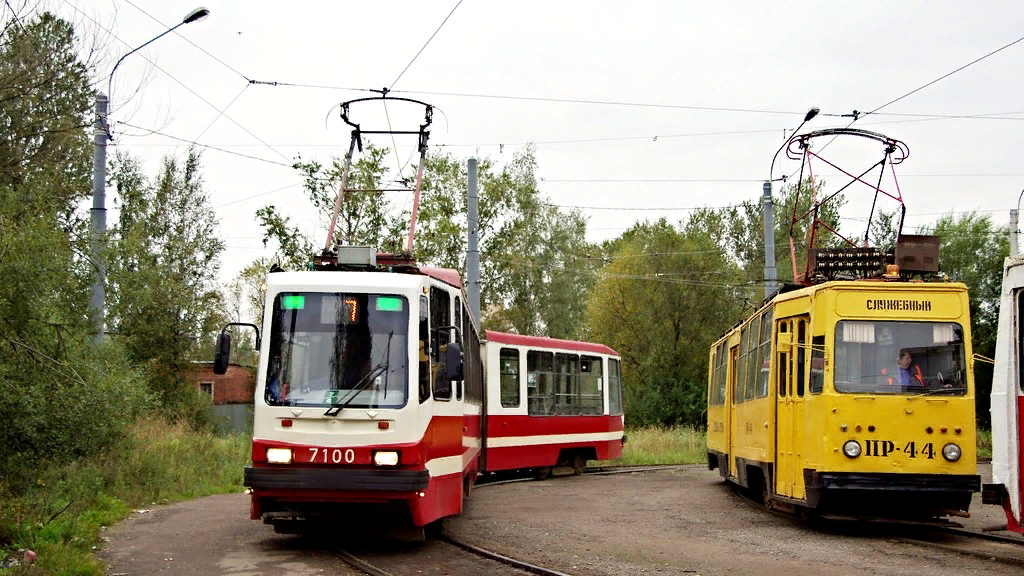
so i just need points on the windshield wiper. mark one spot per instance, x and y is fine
(359, 387)
(933, 391)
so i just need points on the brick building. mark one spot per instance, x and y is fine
(237, 386)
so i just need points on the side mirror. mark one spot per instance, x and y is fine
(453, 362)
(222, 353)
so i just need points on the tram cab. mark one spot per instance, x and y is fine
(835, 427)
(363, 400)
(1007, 406)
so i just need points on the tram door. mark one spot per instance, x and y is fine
(730, 434)
(791, 378)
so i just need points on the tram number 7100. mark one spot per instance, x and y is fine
(885, 447)
(331, 456)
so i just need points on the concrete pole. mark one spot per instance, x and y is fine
(770, 274)
(1013, 233)
(473, 253)
(99, 213)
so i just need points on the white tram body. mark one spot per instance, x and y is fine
(353, 408)
(1007, 406)
(551, 403)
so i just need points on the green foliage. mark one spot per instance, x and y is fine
(972, 250)
(163, 265)
(61, 396)
(60, 512)
(666, 295)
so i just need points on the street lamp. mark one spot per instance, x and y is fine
(98, 213)
(770, 274)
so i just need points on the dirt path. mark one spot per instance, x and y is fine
(669, 522)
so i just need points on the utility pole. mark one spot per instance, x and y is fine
(472, 253)
(99, 213)
(1013, 233)
(770, 273)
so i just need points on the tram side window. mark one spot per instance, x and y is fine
(1020, 338)
(752, 363)
(713, 380)
(817, 364)
(508, 359)
(723, 371)
(741, 370)
(540, 393)
(460, 314)
(783, 362)
(440, 315)
(801, 354)
(424, 348)
(614, 388)
(567, 393)
(591, 385)
(764, 352)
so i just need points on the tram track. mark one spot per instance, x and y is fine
(460, 556)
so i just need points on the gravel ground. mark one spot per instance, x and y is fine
(686, 521)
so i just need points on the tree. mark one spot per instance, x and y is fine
(162, 275)
(972, 250)
(61, 395)
(665, 295)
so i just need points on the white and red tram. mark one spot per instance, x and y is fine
(363, 400)
(1007, 407)
(370, 399)
(550, 403)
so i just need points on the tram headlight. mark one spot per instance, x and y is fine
(385, 458)
(279, 455)
(851, 449)
(951, 452)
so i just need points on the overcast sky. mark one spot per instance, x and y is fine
(771, 60)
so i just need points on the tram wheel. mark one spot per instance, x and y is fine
(542, 473)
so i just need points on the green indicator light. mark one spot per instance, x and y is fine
(293, 302)
(389, 304)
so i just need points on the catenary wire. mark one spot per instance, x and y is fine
(459, 3)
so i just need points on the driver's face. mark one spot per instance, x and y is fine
(905, 361)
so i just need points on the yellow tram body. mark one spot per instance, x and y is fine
(800, 413)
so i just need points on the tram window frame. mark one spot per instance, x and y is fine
(753, 365)
(614, 387)
(1020, 340)
(783, 363)
(723, 365)
(596, 377)
(540, 369)
(817, 357)
(458, 315)
(741, 369)
(801, 357)
(509, 388)
(424, 351)
(764, 355)
(440, 315)
(568, 381)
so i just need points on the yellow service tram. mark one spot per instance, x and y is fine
(807, 410)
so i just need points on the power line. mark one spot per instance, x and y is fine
(256, 195)
(200, 48)
(425, 45)
(207, 146)
(179, 82)
(947, 75)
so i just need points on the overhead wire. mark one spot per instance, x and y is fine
(459, 3)
(179, 82)
(207, 146)
(185, 38)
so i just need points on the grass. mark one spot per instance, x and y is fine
(60, 515)
(984, 443)
(676, 445)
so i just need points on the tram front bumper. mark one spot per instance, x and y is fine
(889, 491)
(342, 479)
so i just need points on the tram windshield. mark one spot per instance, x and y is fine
(905, 358)
(329, 349)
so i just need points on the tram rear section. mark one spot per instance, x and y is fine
(811, 410)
